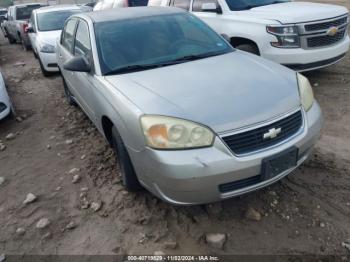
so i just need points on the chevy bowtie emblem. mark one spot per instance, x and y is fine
(332, 31)
(273, 132)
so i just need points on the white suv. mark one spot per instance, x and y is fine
(303, 36)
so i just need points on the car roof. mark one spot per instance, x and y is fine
(53, 8)
(126, 13)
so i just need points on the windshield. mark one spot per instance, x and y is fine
(238, 5)
(54, 20)
(3, 12)
(155, 41)
(24, 12)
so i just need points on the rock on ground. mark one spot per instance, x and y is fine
(74, 170)
(215, 240)
(253, 214)
(2, 147)
(42, 223)
(76, 179)
(2, 180)
(71, 225)
(346, 244)
(10, 136)
(20, 231)
(96, 206)
(159, 253)
(30, 198)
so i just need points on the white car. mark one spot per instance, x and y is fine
(303, 36)
(5, 103)
(45, 27)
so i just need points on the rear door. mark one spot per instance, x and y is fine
(33, 36)
(65, 50)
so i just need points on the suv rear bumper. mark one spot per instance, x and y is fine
(306, 60)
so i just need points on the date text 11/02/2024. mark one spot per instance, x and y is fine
(173, 258)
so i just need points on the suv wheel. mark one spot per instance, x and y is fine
(11, 40)
(129, 178)
(250, 48)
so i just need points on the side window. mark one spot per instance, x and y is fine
(68, 34)
(184, 4)
(82, 46)
(197, 4)
(32, 22)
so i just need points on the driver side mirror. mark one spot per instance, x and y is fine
(211, 7)
(77, 64)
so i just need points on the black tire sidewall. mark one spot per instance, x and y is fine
(129, 177)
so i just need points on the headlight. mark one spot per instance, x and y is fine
(287, 36)
(163, 132)
(46, 48)
(305, 91)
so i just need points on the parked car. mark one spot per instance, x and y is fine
(5, 102)
(44, 28)
(17, 23)
(191, 119)
(303, 36)
(3, 17)
(108, 4)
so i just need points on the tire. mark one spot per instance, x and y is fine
(250, 48)
(24, 45)
(10, 39)
(68, 94)
(35, 55)
(129, 178)
(45, 73)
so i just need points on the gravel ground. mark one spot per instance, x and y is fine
(306, 213)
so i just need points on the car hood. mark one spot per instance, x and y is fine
(296, 12)
(49, 37)
(225, 92)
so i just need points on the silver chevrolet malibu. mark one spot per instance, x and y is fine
(191, 119)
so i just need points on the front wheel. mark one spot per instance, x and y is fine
(10, 39)
(68, 94)
(129, 178)
(43, 70)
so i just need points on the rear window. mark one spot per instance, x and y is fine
(54, 20)
(138, 3)
(24, 12)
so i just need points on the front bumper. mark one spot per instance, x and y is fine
(190, 177)
(49, 61)
(306, 60)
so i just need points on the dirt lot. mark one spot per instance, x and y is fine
(306, 213)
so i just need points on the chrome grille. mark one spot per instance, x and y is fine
(325, 40)
(317, 34)
(326, 25)
(253, 140)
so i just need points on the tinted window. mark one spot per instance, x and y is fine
(82, 40)
(155, 40)
(138, 2)
(237, 5)
(54, 20)
(184, 4)
(24, 12)
(3, 12)
(197, 4)
(68, 34)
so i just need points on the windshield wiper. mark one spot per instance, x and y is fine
(132, 68)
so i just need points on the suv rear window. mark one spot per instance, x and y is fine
(24, 12)
(138, 3)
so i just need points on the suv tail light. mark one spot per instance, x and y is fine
(25, 27)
